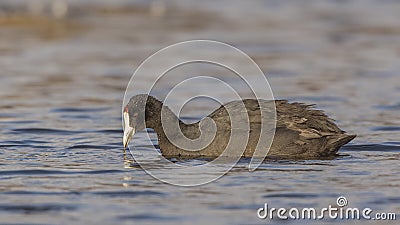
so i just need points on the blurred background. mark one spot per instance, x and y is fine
(65, 64)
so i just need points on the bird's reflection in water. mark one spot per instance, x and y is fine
(128, 161)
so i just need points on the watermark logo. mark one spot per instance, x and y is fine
(339, 211)
(215, 73)
(341, 201)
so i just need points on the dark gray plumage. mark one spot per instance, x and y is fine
(301, 132)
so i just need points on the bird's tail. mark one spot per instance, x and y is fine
(337, 141)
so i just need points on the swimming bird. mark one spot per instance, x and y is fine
(302, 132)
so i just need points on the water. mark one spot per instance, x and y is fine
(61, 89)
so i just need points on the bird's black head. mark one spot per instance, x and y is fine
(135, 113)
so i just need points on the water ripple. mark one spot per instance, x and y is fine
(46, 193)
(45, 131)
(28, 142)
(37, 208)
(386, 128)
(90, 147)
(389, 107)
(116, 131)
(129, 193)
(52, 172)
(147, 217)
(25, 145)
(237, 207)
(68, 110)
(372, 147)
(291, 195)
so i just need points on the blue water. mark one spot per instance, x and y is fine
(63, 80)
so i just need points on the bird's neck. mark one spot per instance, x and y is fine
(158, 115)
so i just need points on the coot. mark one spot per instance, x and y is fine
(301, 131)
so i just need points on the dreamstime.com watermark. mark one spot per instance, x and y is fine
(338, 211)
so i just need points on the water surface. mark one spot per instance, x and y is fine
(62, 84)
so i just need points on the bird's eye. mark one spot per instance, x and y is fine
(135, 115)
